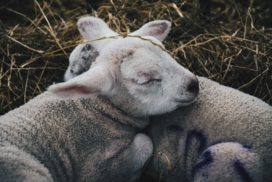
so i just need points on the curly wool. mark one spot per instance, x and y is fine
(220, 115)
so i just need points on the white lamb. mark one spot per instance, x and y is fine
(86, 128)
(225, 135)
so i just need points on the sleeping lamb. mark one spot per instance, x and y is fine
(225, 135)
(86, 128)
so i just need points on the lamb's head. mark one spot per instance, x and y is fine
(134, 72)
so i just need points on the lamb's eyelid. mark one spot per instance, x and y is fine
(153, 80)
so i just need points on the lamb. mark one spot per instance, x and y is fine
(225, 135)
(88, 127)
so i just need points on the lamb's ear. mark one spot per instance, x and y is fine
(158, 29)
(95, 81)
(93, 28)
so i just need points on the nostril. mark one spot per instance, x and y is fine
(193, 86)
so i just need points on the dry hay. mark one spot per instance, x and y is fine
(227, 41)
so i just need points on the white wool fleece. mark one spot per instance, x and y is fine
(219, 116)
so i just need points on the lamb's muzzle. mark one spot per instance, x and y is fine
(193, 86)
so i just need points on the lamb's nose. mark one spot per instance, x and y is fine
(193, 86)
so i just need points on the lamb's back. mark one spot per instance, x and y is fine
(60, 133)
(224, 113)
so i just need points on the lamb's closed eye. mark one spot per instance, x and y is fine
(150, 81)
(145, 78)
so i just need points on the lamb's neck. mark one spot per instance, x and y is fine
(103, 105)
